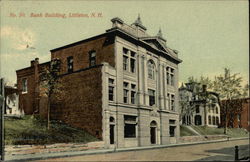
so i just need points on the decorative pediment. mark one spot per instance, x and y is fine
(155, 43)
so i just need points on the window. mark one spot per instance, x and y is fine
(24, 85)
(111, 89)
(197, 109)
(92, 58)
(125, 63)
(151, 70)
(213, 120)
(171, 121)
(70, 64)
(217, 111)
(217, 120)
(168, 96)
(129, 126)
(209, 120)
(133, 92)
(125, 92)
(170, 76)
(129, 60)
(151, 94)
(172, 103)
(172, 131)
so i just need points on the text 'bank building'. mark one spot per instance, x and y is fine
(121, 86)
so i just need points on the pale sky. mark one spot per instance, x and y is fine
(209, 35)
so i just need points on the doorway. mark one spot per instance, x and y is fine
(153, 133)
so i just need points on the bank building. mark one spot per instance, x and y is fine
(121, 86)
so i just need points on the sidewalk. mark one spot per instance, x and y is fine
(46, 155)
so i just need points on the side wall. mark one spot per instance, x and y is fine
(80, 102)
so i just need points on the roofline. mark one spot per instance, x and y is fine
(32, 66)
(78, 42)
(113, 30)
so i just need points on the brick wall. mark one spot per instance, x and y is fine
(104, 47)
(29, 102)
(80, 104)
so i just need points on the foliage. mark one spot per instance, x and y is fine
(32, 130)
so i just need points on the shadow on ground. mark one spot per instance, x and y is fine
(226, 154)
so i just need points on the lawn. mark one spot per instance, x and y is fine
(231, 132)
(32, 130)
(204, 130)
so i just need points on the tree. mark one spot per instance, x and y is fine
(50, 84)
(229, 87)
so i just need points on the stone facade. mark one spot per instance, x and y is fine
(120, 86)
(199, 106)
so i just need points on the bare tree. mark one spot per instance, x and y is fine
(50, 84)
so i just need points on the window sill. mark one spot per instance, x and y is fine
(25, 92)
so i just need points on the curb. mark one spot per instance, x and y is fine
(104, 151)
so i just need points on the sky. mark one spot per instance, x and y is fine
(209, 35)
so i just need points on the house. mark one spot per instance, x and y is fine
(198, 106)
(120, 86)
(238, 117)
(11, 101)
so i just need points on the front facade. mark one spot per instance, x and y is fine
(197, 109)
(120, 86)
(239, 118)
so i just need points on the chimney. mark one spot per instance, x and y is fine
(33, 62)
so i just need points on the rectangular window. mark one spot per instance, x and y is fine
(24, 85)
(125, 63)
(170, 76)
(132, 65)
(168, 96)
(70, 64)
(111, 89)
(133, 93)
(172, 131)
(172, 79)
(129, 126)
(92, 58)
(151, 94)
(132, 97)
(172, 103)
(125, 92)
(171, 121)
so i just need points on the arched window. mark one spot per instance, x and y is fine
(151, 69)
(209, 120)
(214, 120)
(217, 120)
(111, 119)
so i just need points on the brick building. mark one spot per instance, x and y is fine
(238, 118)
(120, 86)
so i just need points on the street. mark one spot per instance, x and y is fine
(201, 152)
